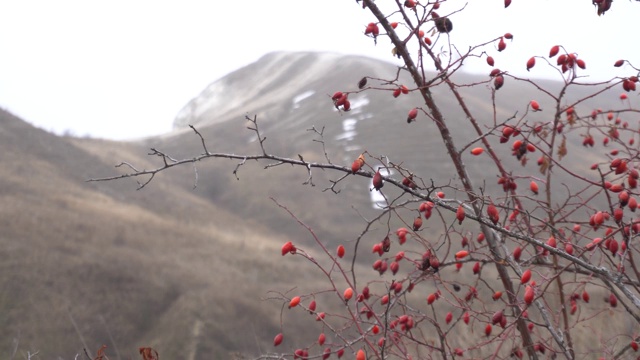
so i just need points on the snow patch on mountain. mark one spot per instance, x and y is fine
(299, 98)
(348, 130)
(273, 80)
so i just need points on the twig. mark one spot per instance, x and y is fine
(75, 326)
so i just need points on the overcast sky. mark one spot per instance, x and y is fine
(122, 69)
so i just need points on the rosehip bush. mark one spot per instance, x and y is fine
(533, 255)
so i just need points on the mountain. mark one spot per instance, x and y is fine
(184, 268)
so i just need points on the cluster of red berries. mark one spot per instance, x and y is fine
(341, 99)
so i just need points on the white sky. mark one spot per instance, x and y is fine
(122, 69)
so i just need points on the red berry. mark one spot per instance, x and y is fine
(528, 294)
(613, 246)
(288, 247)
(616, 188)
(487, 330)
(534, 105)
(516, 253)
(321, 339)
(581, 64)
(562, 59)
(375, 329)
(554, 51)
(417, 223)
(377, 181)
(507, 3)
(498, 81)
(384, 300)
(531, 63)
(501, 44)
(394, 267)
(372, 29)
(294, 302)
(431, 298)
(477, 151)
(340, 251)
(490, 61)
(534, 187)
(355, 166)
(413, 113)
(493, 214)
(552, 242)
(526, 276)
(348, 294)
(461, 254)
(410, 3)
(568, 248)
(278, 339)
(619, 63)
(460, 214)
(497, 317)
(476, 268)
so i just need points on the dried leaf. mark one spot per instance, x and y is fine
(562, 149)
(443, 24)
(149, 353)
(613, 132)
(544, 166)
(100, 354)
(386, 244)
(544, 133)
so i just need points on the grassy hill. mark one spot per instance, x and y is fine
(185, 269)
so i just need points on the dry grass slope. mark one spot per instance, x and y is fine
(181, 269)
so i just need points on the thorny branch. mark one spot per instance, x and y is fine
(527, 231)
(416, 193)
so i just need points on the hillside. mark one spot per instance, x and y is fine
(87, 264)
(184, 269)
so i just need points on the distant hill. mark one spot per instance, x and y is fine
(181, 269)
